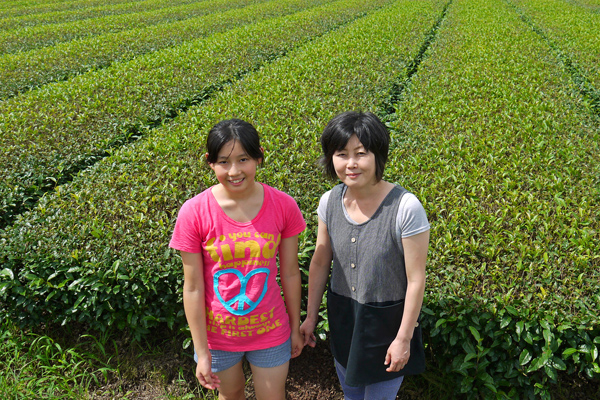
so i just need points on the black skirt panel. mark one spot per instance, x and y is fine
(360, 335)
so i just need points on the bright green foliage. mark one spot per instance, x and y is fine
(29, 70)
(48, 133)
(494, 141)
(37, 367)
(59, 12)
(574, 33)
(96, 251)
(153, 13)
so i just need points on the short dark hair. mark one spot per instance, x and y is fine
(233, 129)
(371, 133)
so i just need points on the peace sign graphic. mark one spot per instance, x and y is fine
(242, 298)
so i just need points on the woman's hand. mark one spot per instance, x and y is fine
(307, 330)
(297, 343)
(205, 376)
(397, 355)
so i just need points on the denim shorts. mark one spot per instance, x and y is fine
(267, 358)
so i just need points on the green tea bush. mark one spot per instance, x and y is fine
(29, 70)
(572, 28)
(59, 12)
(96, 251)
(153, 13)
(48, 133)
(494, 138)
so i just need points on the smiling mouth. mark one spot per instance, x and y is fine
(236, 181)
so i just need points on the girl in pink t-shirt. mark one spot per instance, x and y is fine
(229, 237)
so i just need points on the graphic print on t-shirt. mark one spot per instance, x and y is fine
(243, 298)
(241, 292)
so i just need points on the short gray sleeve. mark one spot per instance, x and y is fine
(411, 219)
(322, 209)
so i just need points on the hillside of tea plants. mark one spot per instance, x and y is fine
(494, 111)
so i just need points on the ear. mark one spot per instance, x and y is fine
(262, 150)
(211, 165)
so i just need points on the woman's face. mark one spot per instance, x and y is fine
(234, 168)
(354, 165)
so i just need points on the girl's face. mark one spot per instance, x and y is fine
(234, 168)
(354, 165)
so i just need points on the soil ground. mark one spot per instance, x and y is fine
(168, 373)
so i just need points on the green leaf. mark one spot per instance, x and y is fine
(505, 322)
(545, 324)
(558, 364)
(525, 357)
(568, 352)
(551, 372)
(7, 273)
(548, 336)
(512, 310)
(536, 364)
(475, 333)
(519, 328)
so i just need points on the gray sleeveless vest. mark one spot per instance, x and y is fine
(365, 300)
(368, 262)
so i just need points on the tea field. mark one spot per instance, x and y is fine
(494, 111)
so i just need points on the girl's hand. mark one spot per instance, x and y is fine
(397, 355)
(205, 376)
(307, 330)
(297, 343)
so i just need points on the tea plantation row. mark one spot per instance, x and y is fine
(507, 161)
(56, 12)
(47, 133)
(29, 70)
(154, 13)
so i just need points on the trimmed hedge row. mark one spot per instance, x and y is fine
(29, 7)
(96, 251)
(493, 138)
(24, 71)
(65, 12)
(46, 134)
(153, 14)
(575, 33)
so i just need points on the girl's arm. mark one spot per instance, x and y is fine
(415, 257)
(318, 274)
(291, 283)
(195, 313)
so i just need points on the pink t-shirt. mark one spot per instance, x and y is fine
(244, 307)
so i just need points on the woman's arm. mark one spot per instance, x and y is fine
(415, 257)
(291, 283)
(318, 274)
(195, 313)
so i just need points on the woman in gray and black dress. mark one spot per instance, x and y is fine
(373, 237)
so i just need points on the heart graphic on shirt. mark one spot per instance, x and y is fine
(242, 299)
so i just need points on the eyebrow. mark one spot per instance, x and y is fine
(229, 156)
(357, 147)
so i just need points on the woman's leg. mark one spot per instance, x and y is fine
(232, 383)
(386, 390)
(269, 383)
(269, 370)
(350, 392)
